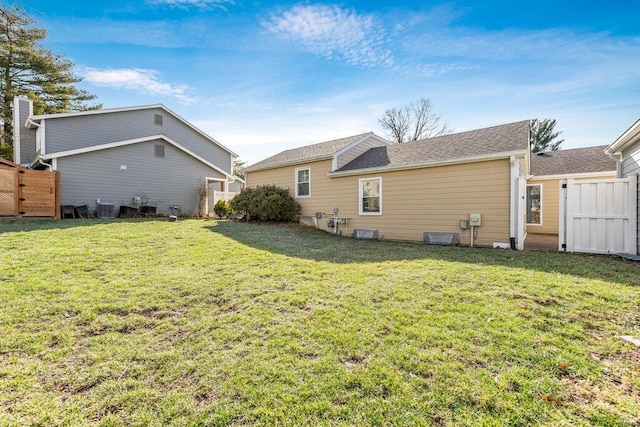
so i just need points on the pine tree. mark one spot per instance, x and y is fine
(26, 68)
(542, 136)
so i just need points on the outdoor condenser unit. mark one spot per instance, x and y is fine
(106, 210)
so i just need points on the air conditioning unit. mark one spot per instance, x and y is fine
(441, 238)
(362, 233)
(106, 210)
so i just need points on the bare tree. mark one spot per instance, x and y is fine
(413, 122)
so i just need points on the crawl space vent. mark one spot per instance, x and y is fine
(440, 238)
(362, 233)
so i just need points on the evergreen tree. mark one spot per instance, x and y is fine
(26, 68)
(542, 136)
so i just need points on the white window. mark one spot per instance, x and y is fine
(534, 204)
(370, 196)
(303, 182)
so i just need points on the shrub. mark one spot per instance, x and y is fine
(222, 208)
(266, 203)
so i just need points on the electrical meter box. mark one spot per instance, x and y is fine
(475, 219)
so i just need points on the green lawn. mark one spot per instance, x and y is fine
(143, 323)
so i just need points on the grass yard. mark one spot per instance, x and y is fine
(152, 323)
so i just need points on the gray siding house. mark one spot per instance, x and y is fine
(626, 151)
(123, 156)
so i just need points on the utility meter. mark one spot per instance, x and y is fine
(475, 220)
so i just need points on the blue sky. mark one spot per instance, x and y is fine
(262, 77)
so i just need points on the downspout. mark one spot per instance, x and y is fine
(227, 183)
(31, 122)
(48, 166)
(513, 202)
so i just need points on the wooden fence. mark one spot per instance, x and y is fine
(28, 193)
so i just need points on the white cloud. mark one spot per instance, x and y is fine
(199, 4)
(139, 80)
(334, 33)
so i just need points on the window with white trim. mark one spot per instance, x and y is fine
(534, 204)
(370, 196)
(303, 182)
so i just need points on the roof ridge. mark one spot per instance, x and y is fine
(470, 131)
(564, 150)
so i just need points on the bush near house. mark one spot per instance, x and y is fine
(266, 203)
(222, 208)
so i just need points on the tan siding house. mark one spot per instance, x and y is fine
(405, 190)
(548, 171)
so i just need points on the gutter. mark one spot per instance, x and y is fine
(39, 161)
(290, 163)
(600, 174)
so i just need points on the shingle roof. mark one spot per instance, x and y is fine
(302, 154)
(458, 146)
(577, 160)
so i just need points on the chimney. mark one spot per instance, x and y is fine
(24, 139)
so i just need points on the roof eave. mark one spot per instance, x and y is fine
(95, 112)
(421, 165)
(598, 174)
(358, 141)
(628, 137)
(291, 163)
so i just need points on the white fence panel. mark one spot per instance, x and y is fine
(219, 195)
(224, 195)
(599, 216)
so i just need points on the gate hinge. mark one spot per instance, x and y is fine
(22, 185)
(22, 199)
(564, 246)
(564, 185)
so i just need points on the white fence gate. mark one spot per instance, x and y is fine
(598, 216)
(220, 195)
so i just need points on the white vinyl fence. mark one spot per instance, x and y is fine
(598, 216)
(220, 195)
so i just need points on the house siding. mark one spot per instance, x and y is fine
(551, 203)
(170, 180)
(550, 207)
(631, 160)
(413, 201)
(73, 132)
(631, 165)
(358, 150)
